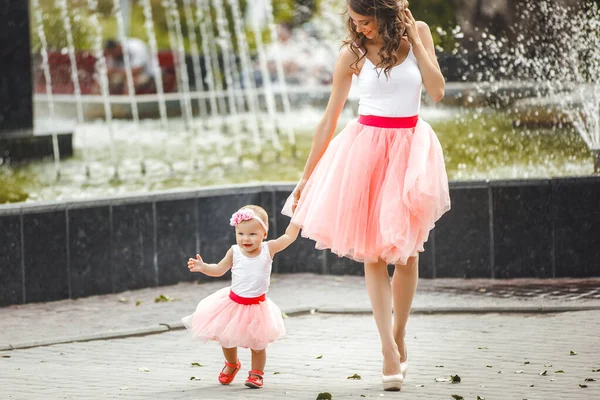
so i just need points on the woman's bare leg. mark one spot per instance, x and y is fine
(380, 294)
(404, 286)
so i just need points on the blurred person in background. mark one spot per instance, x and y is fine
(140, 60)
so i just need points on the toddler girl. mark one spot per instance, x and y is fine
(242, 315)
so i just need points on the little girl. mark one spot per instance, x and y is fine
(242, 315)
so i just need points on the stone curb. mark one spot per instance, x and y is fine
(125, 333)
(178, 325)
(470, 310)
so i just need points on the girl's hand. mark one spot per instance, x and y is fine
(410, 25)
(297, 193)
(195, 265)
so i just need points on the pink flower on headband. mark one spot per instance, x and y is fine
(246, 214)
(242, 215)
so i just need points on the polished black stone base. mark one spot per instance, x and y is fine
(15, 148)
(501, 229)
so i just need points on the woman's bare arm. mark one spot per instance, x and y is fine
(342, 80)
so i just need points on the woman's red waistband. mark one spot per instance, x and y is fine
(247, 300)
(388, 122)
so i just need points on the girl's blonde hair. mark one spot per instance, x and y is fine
(260, 213)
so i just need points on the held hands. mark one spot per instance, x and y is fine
(296, 194)
(195, 265)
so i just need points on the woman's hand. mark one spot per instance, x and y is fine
(297, 193)
(410, 25)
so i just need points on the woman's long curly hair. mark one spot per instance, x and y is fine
(388, 14)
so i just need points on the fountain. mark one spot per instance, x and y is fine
(44, 51)
(553, 73)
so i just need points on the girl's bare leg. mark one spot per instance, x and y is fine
(231, 356)
(259, 359)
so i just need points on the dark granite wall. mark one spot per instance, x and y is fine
(500, 229)
(16, 105)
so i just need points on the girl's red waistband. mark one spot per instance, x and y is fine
(247, 300)
(388, 122)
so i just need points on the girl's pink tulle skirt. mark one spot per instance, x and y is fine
(375, 194)
(219, 318)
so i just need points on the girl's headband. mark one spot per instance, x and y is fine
(246, 214)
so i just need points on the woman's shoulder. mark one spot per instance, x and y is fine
(422, 26)
(350, 52)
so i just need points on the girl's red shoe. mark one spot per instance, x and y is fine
(226, 378)
(255, 379)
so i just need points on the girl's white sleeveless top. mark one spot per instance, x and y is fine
(250, 277)
(396, 96)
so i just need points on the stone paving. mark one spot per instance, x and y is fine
(497, 355)
(136, 311)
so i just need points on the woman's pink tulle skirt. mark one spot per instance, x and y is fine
(375, 194)
(219, 318)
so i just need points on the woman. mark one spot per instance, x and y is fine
(375, 191)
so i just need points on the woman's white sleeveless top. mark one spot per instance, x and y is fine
(396, 96)
(250, 277)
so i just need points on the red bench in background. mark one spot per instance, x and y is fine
(60, 72)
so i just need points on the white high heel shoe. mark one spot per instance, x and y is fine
(404, 365)
(392, 383)
(404, 369)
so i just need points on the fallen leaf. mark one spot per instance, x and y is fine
(324, 396)
(123, 300)
(195, 364)
(482, 348)
(355, 376)
(194, 378)
(362, 395)
(276, 373)
(480, 398)
(596, 370)
(544, 373)
(162, 299)
(137, 303)
(143, 369)
(526, 362)
(455, 378)
(560, 371)
(531, 385)
(488, 366)
(582, 386)
(457, 397)
(319, 357)
(439, 366)
(590, 380)
(572, 353)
